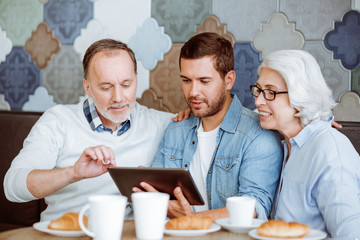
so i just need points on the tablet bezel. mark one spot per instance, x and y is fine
(163, 179)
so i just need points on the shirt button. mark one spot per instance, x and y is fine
(227, 165)
(185, 165)
(172, 157)
(193, 142)
(209, 171)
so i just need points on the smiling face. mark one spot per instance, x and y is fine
(205, 91)
(112, 84)
(276, 114)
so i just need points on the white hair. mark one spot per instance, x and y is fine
(307, 89)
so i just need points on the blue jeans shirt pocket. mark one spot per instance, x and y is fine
(227, 170)
(173, 157)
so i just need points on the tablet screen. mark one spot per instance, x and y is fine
(163, 179)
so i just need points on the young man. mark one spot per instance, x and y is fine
(66, 155)
(222, 144)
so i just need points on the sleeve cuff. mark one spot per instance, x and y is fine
(16, 187)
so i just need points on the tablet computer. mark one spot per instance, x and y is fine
(163, 179)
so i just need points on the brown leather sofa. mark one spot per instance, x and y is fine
(15, 126)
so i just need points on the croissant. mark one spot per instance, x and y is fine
(68, 222)
(189, 223)
(282, 229)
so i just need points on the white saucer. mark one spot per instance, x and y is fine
(225, 223)
(43, 227)
(312, 235)
(192, 233)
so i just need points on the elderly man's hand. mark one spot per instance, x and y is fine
(94, 162)
(181, 115)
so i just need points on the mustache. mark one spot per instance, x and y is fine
(196, 99)
(118, 105)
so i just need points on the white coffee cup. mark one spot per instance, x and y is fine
(150, 210)
(106, 216)
(241, 210)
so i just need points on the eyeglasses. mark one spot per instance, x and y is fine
(268, 94)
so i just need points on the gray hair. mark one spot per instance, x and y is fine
(308, 91)
(109, 47)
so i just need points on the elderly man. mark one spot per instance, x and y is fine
(66, 155)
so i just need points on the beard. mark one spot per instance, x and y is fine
(115, 119)
(212, 108)
(107, 114)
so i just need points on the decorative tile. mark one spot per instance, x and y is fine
(212, 24)
(336, 76)
(19, 18)
(19, 77)
(150, 100)
(82, 98)
(247, 60)
(179, 16)
(166, 83)
(6, 45)
(143, 79)
(42, 45)
(67, 17)
(344, 40)
(63, 76)
(39, 101)
(278, 34)
(355, 80)
(4, 105)
(356, 4)
(243, 17)
(348, 109)
(121, 18)
(150, 43)
(314, 18)
(92, 33)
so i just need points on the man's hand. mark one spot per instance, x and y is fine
(176, 208)
(181, 115)
(336, 124)
(94, 162)
(179, 207)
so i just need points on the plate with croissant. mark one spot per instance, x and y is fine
(278, 229)
(65, 226)
(190, 226)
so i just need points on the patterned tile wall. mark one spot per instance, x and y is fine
(42, 43)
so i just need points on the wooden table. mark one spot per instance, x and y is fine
(29, 233)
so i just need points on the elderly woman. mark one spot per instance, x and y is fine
(320, 181)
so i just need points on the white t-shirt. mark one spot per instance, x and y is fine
(199, 166)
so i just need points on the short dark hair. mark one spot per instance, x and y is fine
(106, 45)
(210, 44)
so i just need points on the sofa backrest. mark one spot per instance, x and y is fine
(14, 127)
(352, 131)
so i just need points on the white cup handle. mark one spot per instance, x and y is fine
(81, 223)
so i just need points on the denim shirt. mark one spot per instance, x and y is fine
(246, 161)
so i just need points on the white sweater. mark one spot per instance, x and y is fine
(58, 139)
